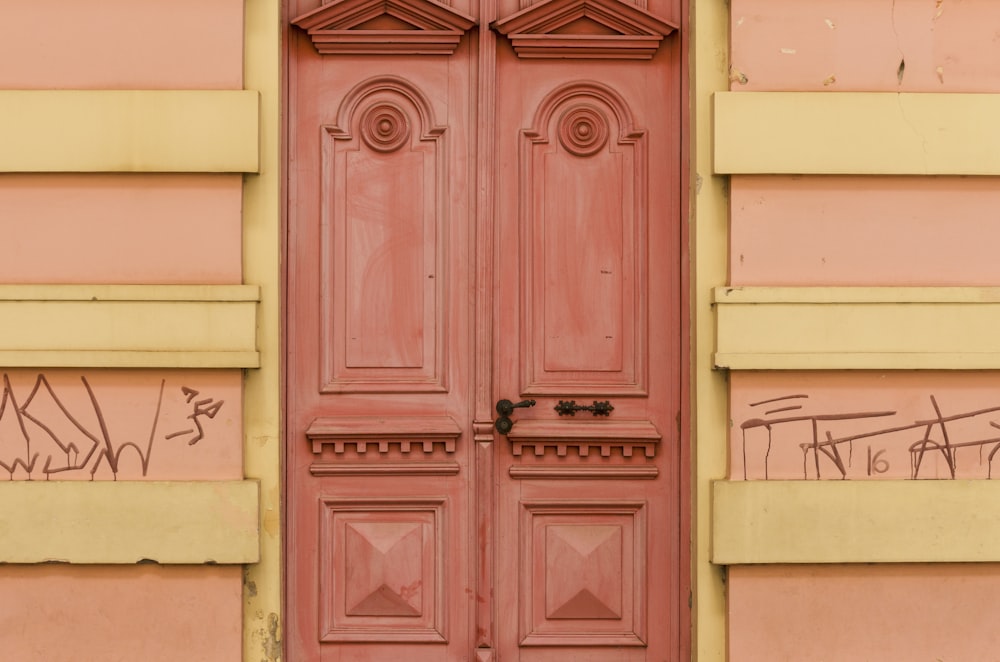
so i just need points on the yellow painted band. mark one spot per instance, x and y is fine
(899, 521)
(860, 133)
(129, 521)
(129, 326)
(129, 131)
(264, 57)
(857, 328)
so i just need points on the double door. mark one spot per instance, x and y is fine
(483, 331)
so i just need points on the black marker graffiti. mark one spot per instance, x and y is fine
(89, 449)
(822, 443)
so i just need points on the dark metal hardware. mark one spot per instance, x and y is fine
(569, 408)
(505, 408)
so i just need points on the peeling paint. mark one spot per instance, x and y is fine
(939, 6)
(267, 636)
(272, 644)
(830, 24)
(829, 80)
(737, 76)
(940, 74)
(788, 51)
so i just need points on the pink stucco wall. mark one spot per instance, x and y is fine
(62, 613)
(121, 228)
(844, 230)
(869, 613)
(863, 231)
(122, 44)
(858, 45)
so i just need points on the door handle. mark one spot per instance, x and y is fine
(505, 408)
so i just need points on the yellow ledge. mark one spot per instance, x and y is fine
(129, 522)
(893, 328)
(906, 521)
(861, 133)
(130, 326)
(129, 131)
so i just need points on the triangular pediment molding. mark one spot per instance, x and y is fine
(589, 29)
(385, 27)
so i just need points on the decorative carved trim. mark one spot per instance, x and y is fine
(419, 27)
(532, 472)
(384, 469)
(578, 29)
(583, 436)
(407, 433)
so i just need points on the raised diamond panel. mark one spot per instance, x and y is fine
(382, 570)
(583, 569)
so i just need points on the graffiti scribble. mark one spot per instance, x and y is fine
(825, 448)
(71, 445)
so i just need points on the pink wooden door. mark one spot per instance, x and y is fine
(483, 204)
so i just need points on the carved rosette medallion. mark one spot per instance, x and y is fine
(583, 130)
(385, 127)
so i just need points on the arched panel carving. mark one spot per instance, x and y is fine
(384, 224)
(583, 225)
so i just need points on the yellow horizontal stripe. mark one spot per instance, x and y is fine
(128, 359)
(130, 292)
(856, 294)
(127, 522)
(855, 521)
(129, 326)
(862, 133)
(844, 328)
(129, 131)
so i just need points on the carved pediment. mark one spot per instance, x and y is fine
(385, 27)
(585, 29)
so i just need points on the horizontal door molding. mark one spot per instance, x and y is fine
(787, 328)
(628, 437)
(129, 131)
(129, 326)
(860, 133)
(122, 522)
(793, 521)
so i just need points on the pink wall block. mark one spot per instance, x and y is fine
(858, 45)
(74, 424)
(793, 230)
(122, 44)
(133, 228)
(63, 613)
(870, 613)
(864, 406)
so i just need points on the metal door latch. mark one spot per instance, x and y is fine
(569, 408)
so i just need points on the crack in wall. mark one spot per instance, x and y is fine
(902, 57)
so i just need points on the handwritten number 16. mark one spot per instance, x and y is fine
(876, 465)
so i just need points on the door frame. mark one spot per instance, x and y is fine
(688, 177)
